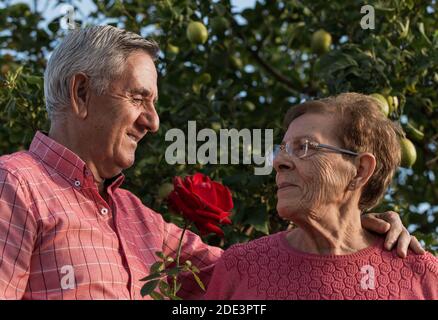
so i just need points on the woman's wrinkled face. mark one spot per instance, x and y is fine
(308, 184)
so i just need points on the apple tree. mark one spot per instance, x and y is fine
(231, 68)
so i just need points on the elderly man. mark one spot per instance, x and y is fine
(67, 229)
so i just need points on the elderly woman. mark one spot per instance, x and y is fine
(336, 161)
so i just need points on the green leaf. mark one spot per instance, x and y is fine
(410, 4)
(172, 271)
(334, 62)
(423, 33)
(157, 266)
(220, 9)
(34, 79)
(259, 220)
(160, 255)
(148, 287)
(178, 286)
(151, 277)
(226, 84)
(198, 281)
(195, 269)
(164, 287)
(156, 296)
(380, 8)
(10, 105)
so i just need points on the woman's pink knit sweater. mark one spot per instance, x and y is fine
(268, 268)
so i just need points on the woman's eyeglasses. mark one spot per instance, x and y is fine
(306, 148)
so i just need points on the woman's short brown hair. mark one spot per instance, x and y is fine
(362, 128)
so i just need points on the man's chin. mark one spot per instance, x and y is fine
(126, 163)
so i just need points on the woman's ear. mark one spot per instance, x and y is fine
(80, 94)
(365, 165)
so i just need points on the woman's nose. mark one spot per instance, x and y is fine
(283, 162)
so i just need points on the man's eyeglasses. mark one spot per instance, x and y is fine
(307, 148)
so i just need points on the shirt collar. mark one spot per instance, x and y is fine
(66, 162)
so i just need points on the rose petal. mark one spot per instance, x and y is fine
(205, 202)
(205, 225)
(178, 205)
(210, 216)
(187, 196)
(215, 195)
(199, 177)
(225, 220)
(223, 196)
(203, 187)
(213, 228)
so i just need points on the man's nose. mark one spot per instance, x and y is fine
(149, 119)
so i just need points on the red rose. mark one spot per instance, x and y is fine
(206, 203)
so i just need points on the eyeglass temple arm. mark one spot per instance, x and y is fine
(320, 145)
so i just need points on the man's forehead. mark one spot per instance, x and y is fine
(141, 65)
(140, 75)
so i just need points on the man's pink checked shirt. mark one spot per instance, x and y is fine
(59, 239)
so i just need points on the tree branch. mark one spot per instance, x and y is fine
(285, 81)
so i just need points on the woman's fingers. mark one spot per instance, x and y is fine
(372, 223)
(388, 222)
(415, 246)
(397, 233)
(396, 228)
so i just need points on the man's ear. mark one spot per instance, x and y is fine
(80, 94)
(365, 165)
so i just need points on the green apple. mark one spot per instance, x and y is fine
(414, 133)
(204, 78)
(236, 62)
(393, 103)
(408, 153)
(219, 25)
(382, 102)
(321, 41)
(197, 33)
(249, 106)
(172, 49)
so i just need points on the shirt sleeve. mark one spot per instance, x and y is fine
(17, 236)
(203, 256)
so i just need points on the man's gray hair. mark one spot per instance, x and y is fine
(98, 51)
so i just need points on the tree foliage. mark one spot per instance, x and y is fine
(253, 67)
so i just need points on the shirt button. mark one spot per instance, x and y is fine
(104, 211)
(77, 183)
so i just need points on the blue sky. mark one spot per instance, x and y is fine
(52, 10)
